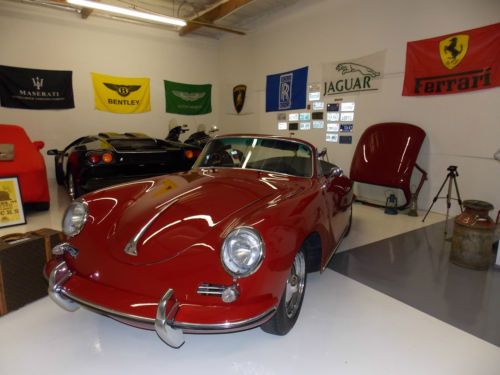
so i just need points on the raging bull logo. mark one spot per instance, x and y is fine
(124, 91)
(239, 93)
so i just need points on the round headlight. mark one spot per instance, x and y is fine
(74, 218)
(242, 252)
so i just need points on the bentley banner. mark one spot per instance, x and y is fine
(35, 88)
(186, 99)
(285, 91)
(464, 61)
(354, 75)
(121, 94)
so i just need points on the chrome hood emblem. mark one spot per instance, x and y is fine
(131, 247)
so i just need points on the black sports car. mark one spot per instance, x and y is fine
(96, 161)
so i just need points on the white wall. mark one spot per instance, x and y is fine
(462, 129)
(40, 38)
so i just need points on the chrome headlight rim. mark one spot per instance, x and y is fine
(71, 208)
(262, 252)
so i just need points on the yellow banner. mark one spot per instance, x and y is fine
(121, 94)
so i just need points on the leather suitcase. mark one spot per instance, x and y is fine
(22, 257)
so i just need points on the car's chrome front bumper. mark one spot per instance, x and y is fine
(165, 325)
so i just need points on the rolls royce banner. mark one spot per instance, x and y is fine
(354, 75)
(121, 94)
(35, 88)
(285, 91)
(464, 61)
(187, 99)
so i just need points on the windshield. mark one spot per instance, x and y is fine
(267, 154)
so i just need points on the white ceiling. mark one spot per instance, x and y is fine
(241, 19)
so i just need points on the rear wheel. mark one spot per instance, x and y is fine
(291, 301)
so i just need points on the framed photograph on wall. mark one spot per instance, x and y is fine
(11, 204)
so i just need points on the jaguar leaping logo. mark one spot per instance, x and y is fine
(189, 96)
(345, 68)
(122, 90)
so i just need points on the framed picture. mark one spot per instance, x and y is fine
(11, 204)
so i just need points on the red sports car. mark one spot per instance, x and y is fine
(27, 164)
(223, 247)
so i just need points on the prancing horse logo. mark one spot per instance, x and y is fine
(122, 90)
(345, 68)
(453, 49)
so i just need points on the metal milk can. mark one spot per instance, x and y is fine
(473, 236)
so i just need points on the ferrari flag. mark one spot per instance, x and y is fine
(121, 94)
(35, 88)
(285, 91)
(460, 62)
(186, 99)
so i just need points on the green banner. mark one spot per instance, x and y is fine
(186, 99)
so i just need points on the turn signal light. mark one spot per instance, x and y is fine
(107, 157)
(189, 154)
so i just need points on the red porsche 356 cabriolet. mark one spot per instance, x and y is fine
(223, 247)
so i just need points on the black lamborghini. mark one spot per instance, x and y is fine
(96, 161)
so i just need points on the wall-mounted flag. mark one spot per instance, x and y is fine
(187, 99)
(35, 88)
(286, 91)
(121, 94)
(464, 61)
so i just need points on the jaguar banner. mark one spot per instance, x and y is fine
(35, 88)
(354, 75)
(187, 99)
(286, 91)
(450, 64)
(121, 94)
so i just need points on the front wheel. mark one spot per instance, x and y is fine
(291, 301)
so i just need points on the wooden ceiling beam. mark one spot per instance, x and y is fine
(214, 14)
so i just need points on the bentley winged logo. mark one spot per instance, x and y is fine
(239, 94)
(122, 90)
(453, 49)
(189, 96)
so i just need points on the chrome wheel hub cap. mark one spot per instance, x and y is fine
(295, 285)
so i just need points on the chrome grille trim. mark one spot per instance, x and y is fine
(206, 289)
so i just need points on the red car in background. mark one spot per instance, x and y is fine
(27, 165)
(221, 248)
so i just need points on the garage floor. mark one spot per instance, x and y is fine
(349, 323)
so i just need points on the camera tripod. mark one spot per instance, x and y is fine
(450, 177)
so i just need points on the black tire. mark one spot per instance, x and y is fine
(349, 225)
(291, 301)
(59, 172)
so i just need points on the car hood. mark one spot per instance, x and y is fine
(169, 215)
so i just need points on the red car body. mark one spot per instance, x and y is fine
(28, 166)
(179, 223)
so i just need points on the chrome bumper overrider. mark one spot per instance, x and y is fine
(165, 325)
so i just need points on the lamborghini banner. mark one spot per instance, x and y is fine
(464, 61)
(35, 88)
(186, 99)
(121, 94)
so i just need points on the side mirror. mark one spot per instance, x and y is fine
(335, 172)
(53, 152)
(39, 145)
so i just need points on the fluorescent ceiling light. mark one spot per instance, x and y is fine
(129, 12)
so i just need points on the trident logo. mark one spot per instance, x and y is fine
(37, 82)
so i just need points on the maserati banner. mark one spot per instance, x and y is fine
(35, 88)
(464, 61)
(286, 91)
(186, 99)
(354, 75)
(121, 94)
